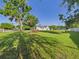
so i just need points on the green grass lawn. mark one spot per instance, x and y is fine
(68, 41)
(2, 34)
(61, 45)
(65, 38)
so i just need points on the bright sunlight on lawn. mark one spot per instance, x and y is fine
(69, 42)
(41, 45)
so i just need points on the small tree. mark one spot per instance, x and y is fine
(31, 20)
(54, 27)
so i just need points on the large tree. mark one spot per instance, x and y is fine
(15, 9)
(71, 20)
(73, 13)
(67, 20)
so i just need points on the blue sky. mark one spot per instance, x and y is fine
(46, 10)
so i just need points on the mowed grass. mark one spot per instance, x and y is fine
(64, 38)
(2, 34)
(58, 45)
(69, 43)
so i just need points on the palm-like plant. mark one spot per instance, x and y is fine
(31, 20)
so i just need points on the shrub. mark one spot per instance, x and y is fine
(26, 27)
(6, 26)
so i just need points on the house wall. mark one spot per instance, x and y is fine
(45, 28)
(5, 30)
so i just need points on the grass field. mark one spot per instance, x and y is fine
(70, 39)
(69, 42)
(65, 45)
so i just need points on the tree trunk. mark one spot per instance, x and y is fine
(20, 54)
(21, 25)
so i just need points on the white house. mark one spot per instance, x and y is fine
(42, 27)
(74, 29)
(2, 30)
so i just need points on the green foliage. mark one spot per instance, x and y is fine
(71, 4)
(26, 27)
(6, 26)
(55, 27)
(71, 20)
(76, 25)
(15, 9)
(30, 20)
(72, 15)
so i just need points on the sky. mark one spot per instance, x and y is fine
(45, 10)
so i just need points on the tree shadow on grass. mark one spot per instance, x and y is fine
(75, 38)
(30, 46)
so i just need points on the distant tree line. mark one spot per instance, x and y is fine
(55, 27)
(7, 26)
(28, 23)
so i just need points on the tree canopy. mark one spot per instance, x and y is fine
(71, 3)
(31, 20)
(72, 17)
(15, 9)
